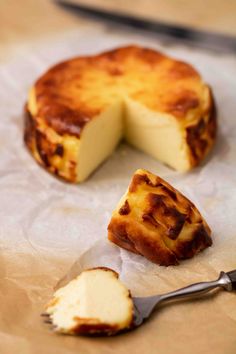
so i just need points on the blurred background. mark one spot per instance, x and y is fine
(24, 20)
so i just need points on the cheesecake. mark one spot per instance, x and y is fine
(94, 303)
(79, 110)
(155, 220)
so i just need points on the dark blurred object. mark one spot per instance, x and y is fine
(201, 38)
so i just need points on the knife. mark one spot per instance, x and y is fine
(205, 39)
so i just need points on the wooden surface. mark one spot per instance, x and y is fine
(24, 20)
(211, 15)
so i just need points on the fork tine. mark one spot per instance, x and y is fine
(48, 321)
(44, 314)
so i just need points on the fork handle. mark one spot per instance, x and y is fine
(232, 277)
(225, 280)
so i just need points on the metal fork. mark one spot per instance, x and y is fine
(144, 306)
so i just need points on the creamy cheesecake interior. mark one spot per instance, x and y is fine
(95, 299)
(157, 134)
(99, 139)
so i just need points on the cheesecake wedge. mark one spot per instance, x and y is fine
(155, 220)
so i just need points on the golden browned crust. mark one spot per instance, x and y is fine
(68, 100)
(135, 238)
(106, 269)
(29, 131)
(46, 151)
(125, 209)
(201, 135)
(64, 120)
(72, 93)
(89, 327)
(161, 224)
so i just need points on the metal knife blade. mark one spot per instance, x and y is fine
(205, 39)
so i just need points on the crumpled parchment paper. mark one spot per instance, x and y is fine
(50, 230)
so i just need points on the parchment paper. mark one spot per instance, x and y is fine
(50, 230)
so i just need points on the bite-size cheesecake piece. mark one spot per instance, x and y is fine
(79, 110)
(94, 303)
(156, 221)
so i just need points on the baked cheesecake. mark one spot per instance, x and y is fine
(96, 302)
(79, 110)
(156, 221)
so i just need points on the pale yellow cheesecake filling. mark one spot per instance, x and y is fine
(95, 297)
(158, 134)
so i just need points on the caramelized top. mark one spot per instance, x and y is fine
(73, 92)
(159, 206)
(155, 220)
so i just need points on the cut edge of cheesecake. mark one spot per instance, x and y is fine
(95, 302)
(99, 138)
(74, 158)
(158, 134)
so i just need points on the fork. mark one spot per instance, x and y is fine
(144, 306)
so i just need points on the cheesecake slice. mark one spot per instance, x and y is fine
(79, 110)
(156, 221)
(96, 302)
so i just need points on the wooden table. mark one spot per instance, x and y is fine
(24, 20)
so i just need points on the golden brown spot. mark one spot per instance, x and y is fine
(92, 326)
(72, 169)
(59, 150)
(141, 179)
(194, 139)
(125, 209)
(199, 241)
(212, 123)
(60, 67)
(64, 120)
(180, 70)
(30, 127)
(44, 147)
(179, 106)
(150, 219)
(150, 56)
(155, 201)
(166, 215)
(136, 240)
(115, 71)
(118, 233)
(176, 222)
(169, 191)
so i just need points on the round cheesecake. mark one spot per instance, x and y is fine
(80, 109)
